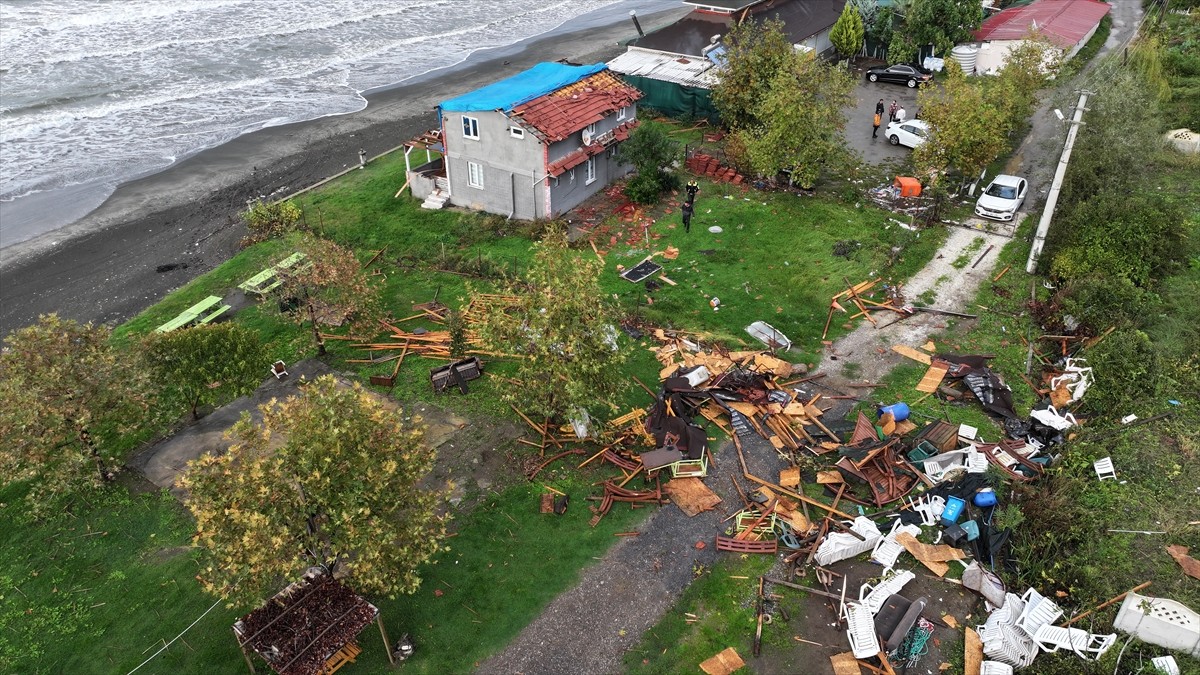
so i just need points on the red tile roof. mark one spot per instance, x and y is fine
(1063, 22)
(574, 159)
(565, 111)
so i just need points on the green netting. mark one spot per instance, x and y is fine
(674, 100)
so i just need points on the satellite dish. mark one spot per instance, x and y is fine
(587, 137)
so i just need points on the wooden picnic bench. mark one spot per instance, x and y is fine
(203, 312)
(271, 278)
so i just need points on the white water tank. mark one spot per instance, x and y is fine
(965, 55)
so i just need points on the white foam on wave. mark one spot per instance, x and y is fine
(123, 112)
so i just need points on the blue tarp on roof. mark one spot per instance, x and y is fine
(521, 88)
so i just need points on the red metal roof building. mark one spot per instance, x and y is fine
(1066, 23)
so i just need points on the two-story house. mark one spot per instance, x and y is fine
(533, 145)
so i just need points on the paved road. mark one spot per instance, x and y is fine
(858, 119)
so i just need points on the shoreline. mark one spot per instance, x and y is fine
(102, 268)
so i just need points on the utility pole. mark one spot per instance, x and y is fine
(1039, 238)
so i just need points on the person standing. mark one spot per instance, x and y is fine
(879, 107)
(687, 216)
(692, 188)
(875, 130)
(892, 110)
(901, 115)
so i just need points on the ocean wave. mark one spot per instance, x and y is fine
(128, 111)
(282, 32)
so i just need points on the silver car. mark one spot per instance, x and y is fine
(1002, 197)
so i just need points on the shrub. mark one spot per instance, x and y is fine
(266, 220)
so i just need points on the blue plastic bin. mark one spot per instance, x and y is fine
(954, 509)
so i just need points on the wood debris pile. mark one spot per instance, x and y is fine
(859, 297)
(305, 625)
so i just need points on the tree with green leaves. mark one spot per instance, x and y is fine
(754, 53)
(848, 32)
(1027, 68)
(651, 152)
(68, 399)
(564, 328)
(330, 478)
(332, 287)
(802, 122)
(967, 130)
(943, 23)
(207, 365)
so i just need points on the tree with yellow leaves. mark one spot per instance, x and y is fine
(328, 478)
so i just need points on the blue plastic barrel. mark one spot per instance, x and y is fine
(954, 508)
(899, 411)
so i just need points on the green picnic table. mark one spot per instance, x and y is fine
(205, 311)
(269, 279)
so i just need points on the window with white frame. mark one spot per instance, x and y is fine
(591, 130)
(621, 113)
(591, 170)
(517, 132)
(475, 175)
(612, 151)
(470, 127)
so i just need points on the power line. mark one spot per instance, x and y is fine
(164, 647)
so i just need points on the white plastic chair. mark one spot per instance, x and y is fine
(860, 631)
(1104, 469)
(1165, 665)
(840, 546)
(995, 668)
(279, 370)
(888, 550)
(1039, 611)
(874, 597)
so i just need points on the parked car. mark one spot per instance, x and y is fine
(901, 73)
(1002, 197)
(910, 133)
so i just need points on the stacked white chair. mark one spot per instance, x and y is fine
(840, 546)
(1002, 639)
(860, 630)
(873, 597)
(995, 668)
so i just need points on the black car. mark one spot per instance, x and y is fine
(900, 74)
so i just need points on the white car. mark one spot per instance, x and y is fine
(1002, 197)
(909, 133)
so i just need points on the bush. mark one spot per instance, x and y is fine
(1102, 301)
(644, 188)
(1126, 369)
(267, 220)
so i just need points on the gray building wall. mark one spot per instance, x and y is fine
(571, 188)
(512, 165)
(509, 166)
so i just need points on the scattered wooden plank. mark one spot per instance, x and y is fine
(905, 350)
(932, 379)
(725, 662)
(972, 653)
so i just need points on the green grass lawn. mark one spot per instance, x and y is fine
(117, 594)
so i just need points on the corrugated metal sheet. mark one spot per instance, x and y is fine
(655, 65)
(1063, 22)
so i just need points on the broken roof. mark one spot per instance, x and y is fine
(565, 110)
(655, 65)
(574, 159)
(1063, 22)
(520, 88)
(690, 35)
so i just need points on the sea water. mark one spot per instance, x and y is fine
(97, 92)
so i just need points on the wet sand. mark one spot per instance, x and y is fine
(103, 267)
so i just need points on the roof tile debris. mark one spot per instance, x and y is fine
(559, 114)
(574, 159)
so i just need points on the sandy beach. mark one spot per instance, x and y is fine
(104, 268)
